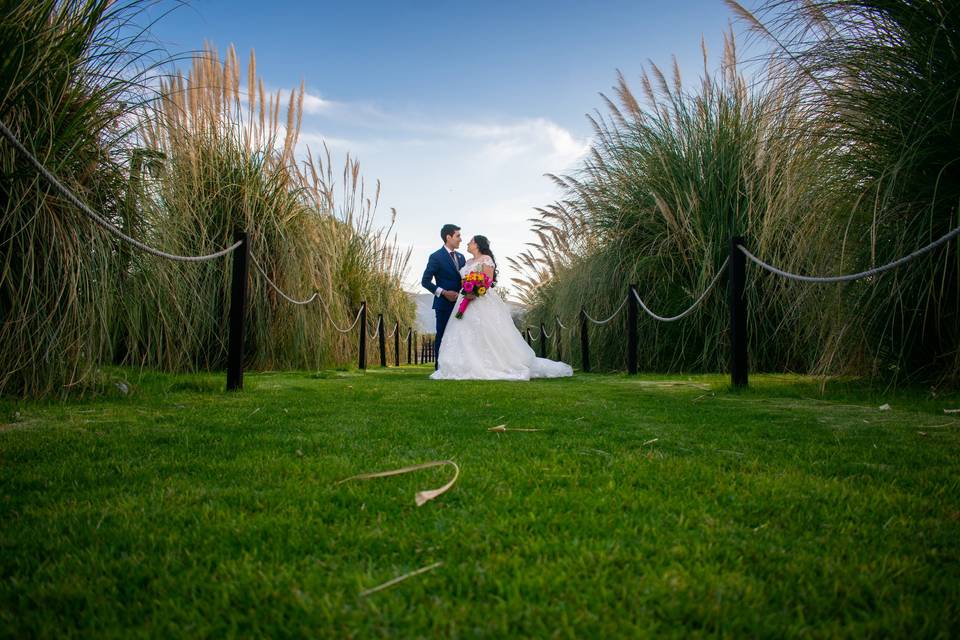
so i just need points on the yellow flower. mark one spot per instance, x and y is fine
(481, 291)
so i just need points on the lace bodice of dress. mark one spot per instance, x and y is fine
(476, 264)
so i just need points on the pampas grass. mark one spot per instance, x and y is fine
(69, 78)
(228, 167)
(181, 167)
(672, 175)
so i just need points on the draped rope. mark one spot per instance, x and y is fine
(619, 309)
(853, 276)
(691, 307)
(278, 289)
(100, 220)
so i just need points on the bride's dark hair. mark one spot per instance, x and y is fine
(483, 246)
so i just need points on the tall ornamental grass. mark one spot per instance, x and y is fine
(228, 163)
(670, 178)
(180, 172)
(883, 79)
(68, 79)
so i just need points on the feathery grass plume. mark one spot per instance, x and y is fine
(70, 74)
(225, 171)
(883, 79)
(669, 180)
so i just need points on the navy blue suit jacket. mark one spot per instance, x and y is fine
(441, 272)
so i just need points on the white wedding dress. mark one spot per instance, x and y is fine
(485, 344)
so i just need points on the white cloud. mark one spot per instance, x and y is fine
(315, 140)
(527, 136)
(315, 104)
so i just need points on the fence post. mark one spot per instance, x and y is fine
(543, 342)
(238, 308)
(738, 314)
(433, 349)
(584, 341)
(396, 344)
(382, 339)
(410, 346)
(526, 333)
(363, 335)
(558, 328)
(632, 310)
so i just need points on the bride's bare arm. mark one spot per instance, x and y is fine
(488, 267)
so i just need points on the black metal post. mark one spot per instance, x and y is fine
(558, 328)
(738, 314)
(382, 339)
(584, 341)
(396, 344)
(238, 308)
(433, 350)
(416, 348)
(632, 311)
(543, 342)
(409, 346)
(363, 335)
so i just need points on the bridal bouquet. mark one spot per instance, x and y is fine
(476, 283)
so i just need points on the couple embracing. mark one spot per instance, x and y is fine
(478, 341)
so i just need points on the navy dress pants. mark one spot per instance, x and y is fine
(443, 315)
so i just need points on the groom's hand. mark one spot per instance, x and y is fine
(450, 295)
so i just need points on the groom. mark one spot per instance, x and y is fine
(442, 278)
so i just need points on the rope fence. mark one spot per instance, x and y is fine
(238, 294)
(378, 332)
(631, 301)
(734, 264)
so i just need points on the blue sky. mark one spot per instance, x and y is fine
(459, 108)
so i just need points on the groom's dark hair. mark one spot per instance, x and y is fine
(448, 230)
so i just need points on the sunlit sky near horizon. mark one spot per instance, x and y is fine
(459, 108)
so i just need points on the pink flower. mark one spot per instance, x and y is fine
(468, 286)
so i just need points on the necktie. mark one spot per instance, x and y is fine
(453, 256)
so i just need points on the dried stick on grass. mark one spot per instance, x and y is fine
(390, 583)
(500, 428)
(422, 497)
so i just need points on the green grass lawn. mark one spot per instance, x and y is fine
(652, 505)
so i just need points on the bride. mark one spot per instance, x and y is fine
(484, 344)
